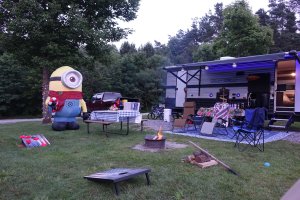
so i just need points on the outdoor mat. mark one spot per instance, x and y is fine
(37, 140)
(219, 134)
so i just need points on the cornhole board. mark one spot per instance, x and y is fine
(117, 175)
(37, 140)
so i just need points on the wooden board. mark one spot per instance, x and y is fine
(205, 164)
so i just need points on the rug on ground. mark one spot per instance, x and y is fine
(220, 134)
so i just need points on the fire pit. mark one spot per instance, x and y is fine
(153, 142)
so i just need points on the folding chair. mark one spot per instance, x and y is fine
(198, 121)
(252, 132)
(187, 118)
(220, 119)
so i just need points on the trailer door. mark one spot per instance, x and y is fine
(297, 88)
(180, 86)
(285, 86)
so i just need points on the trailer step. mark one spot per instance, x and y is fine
(281, 123)
(277, 119)
(276, 126)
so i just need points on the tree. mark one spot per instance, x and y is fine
(204, 52)
(44, 35)
(283, 22)
(205, 30)
(294, 5)
(264, 18)
(127, 48)
(13, 86)
(148, 49)
(150, 83)
(241, 33)
(210, 26)
(161, 49)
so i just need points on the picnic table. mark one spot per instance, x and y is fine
(106, 117)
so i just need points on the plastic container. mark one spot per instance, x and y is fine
(167, 115)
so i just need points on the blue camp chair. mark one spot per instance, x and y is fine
(237, 124)
(251, 131)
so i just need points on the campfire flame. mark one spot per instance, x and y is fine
(159, 135)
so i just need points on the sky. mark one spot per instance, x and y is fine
(159, 19)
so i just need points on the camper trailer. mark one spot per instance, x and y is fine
(271, 81)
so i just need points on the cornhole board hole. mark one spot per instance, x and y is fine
(117, 175)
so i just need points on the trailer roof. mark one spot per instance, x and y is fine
(240, 63)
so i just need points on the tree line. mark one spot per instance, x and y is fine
(38, 36)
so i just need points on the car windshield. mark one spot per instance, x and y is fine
(111, 96)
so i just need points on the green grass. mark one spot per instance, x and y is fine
(56, 171)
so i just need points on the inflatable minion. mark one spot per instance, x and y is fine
(65, 98)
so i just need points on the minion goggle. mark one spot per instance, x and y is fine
(71, 79)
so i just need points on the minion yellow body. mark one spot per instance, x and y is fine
(65, 98)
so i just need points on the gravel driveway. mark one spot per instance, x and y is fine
(11, 121)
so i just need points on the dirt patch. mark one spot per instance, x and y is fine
(169, 146)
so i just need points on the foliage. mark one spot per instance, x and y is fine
(186, 45)
(127, 48)
(13, 86)
(282, 20)
(210, 26)
(205, 52)
(148, 49)
(56, 171)
(141, 75)
(44, 35)
(241, 33)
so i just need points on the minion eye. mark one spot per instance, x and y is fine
(72, 79)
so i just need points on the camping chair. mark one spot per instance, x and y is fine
(237, 124)
(251, 133)
(220, 119)
(187, 117)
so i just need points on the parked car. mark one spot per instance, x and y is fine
(102, 101)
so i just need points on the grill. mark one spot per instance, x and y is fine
(157, 144)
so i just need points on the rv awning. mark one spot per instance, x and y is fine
(240, 63)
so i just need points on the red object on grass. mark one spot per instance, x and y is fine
(25, 136)
(28, 141)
